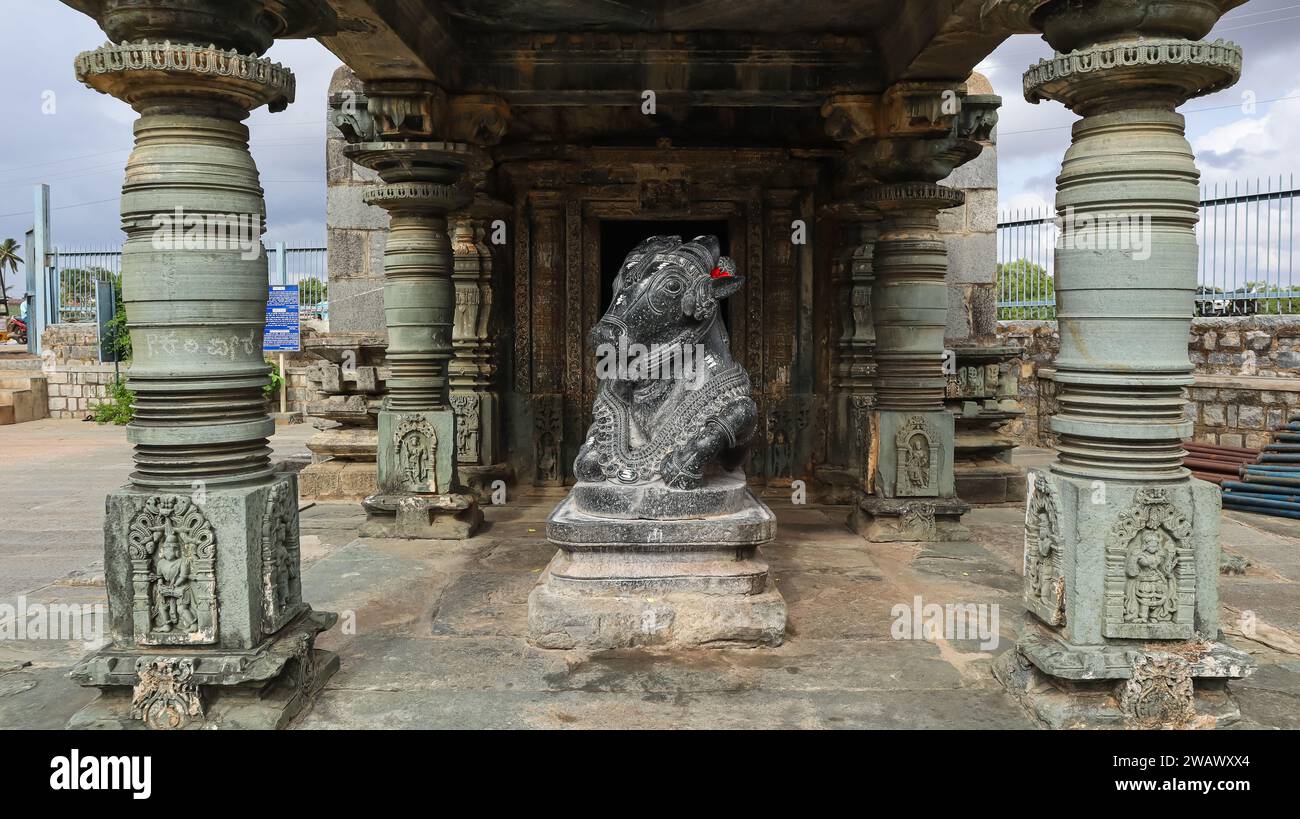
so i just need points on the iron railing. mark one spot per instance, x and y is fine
(1246, 265)
(75, 271)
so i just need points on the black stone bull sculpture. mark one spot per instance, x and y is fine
(686, 410)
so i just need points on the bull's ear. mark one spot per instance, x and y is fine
(725, 286)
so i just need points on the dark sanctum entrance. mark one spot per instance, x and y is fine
(619, 236)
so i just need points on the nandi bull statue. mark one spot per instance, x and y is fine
(686, 407)
(659, 539)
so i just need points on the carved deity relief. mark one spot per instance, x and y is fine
(281, 581)
(416, 445)
(780, 452)
(468, 430)
(1044, 593)
(173, 572)
(1150, 581)
(165, 696)
(860, 420)
(547, 436)
(917, 451)
(1151, 590)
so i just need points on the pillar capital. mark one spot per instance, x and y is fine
(1128, 73)
(185, 76)
(913, 131)
(419, 110)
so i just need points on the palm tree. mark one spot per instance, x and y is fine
(8, 258)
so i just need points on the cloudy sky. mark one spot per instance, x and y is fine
(59, 132)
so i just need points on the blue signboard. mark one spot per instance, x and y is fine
(283, 332)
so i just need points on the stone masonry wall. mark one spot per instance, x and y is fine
(75, 377)
(970, 232)
(77, 380)
(355, 231)
(1247, 377)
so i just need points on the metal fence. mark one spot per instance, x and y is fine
(72, 281)
(1246, 238)
(74, 273)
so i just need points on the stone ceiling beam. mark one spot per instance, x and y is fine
(942, 39)
(394, 39)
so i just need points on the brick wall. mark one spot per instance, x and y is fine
(1247, 377)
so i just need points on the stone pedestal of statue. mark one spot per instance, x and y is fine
(693, 574)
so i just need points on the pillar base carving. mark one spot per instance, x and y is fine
(206, 616)
(451, 516)
(904, 520)
(260, 689)
(1118, 687)
(419, 485)
(1121, 585)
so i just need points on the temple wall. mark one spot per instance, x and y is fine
(971, 235)
(355, 231)
(548, 289)
(1245, 377)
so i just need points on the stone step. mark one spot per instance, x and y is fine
(23, 397)
(14, 357)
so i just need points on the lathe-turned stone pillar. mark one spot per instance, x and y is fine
(906, 140)
(207, 625)
(1121, 544)
(853, 369)
(420, 493)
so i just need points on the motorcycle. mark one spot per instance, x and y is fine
(16, 328)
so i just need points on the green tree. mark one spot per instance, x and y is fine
(120, 406)
(1022, 280)
(312, 291)
(119, 338)
(1272, 306)
(8, 258)
(77, 292)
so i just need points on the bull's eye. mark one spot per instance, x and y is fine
(673, 286)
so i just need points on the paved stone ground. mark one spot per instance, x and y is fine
(435, 628)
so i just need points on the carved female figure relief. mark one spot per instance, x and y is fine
(417, 446)
(1040, 573)
(1044, 592)
(916, 453)
(172, 548)
(1151, 575)
(1151, 591)
(917, 457)
(173, 596)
